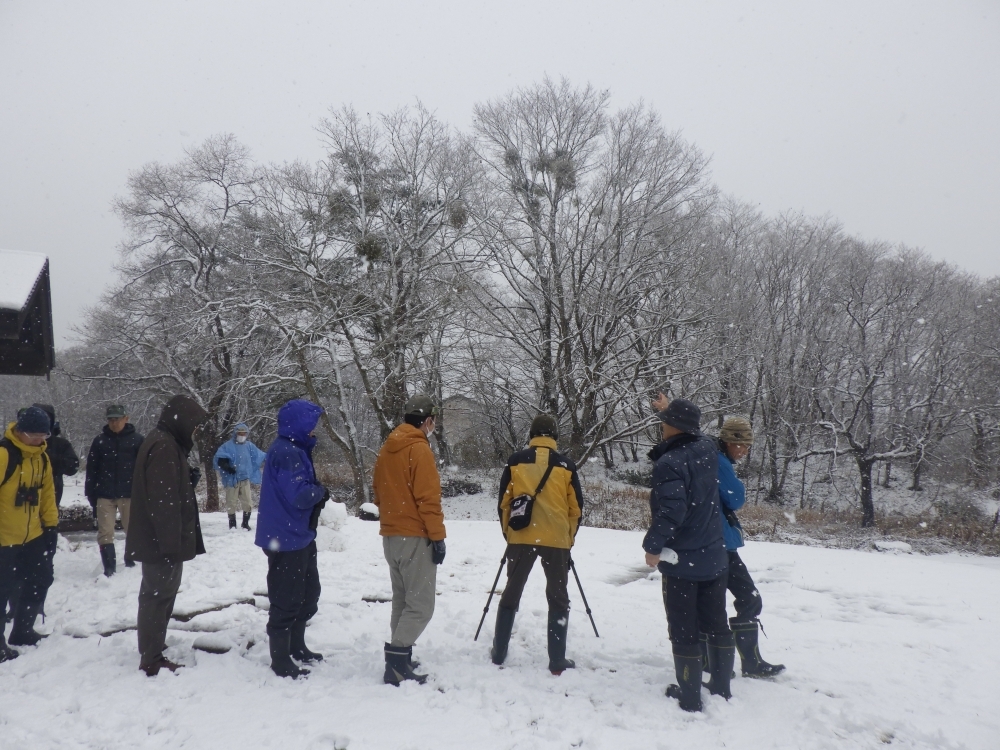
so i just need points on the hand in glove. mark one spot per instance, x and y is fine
(437, 555)
(317, 509)
(51, 535)
(226, 465)
(194, 472)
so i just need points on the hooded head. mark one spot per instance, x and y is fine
(180, 417)
(297, 419)
(241, 429)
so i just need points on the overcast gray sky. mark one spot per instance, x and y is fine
(884, 115)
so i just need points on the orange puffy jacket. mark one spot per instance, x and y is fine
(407, 486)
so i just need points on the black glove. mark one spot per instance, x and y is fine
(437, 556)
(317, 509)
(194, 472)
(226, 465)
(51, 535)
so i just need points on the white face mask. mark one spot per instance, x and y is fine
(241, 438)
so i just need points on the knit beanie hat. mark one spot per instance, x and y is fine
(737, 431)
(544, 425)
(33, 421)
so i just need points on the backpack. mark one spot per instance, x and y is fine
(14, 459)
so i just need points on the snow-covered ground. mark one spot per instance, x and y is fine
(881, 648)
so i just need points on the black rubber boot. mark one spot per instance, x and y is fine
(232, 520)
(298, 648)
(108, 558)
(23, 633)
(397, 666)
(246, 521)
(558, 628)
(721, 656)
(746, 634)
(501, 634)
(281, 662)
(687, 667)
(6, 653)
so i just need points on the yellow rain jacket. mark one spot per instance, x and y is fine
(20, 525)
(556, 513)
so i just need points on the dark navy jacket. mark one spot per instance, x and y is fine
(110, 464)
(684, 504)
(289, 489)
(732, 495)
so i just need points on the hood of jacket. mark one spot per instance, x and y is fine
(297, 419)
(662, 447)
(25, 449)
(241, 427)
(180, 417)
(403, 437)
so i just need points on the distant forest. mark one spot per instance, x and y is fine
(559, 257)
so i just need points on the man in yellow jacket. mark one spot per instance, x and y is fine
(29, 521)
(408, 495)
(540, 506)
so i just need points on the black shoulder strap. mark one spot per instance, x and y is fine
(545, 476)
(14, 459)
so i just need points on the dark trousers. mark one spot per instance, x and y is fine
(747, 598)
(695, 607)
(26, 568)
(157, 592)
(555, 564)
(292, 587)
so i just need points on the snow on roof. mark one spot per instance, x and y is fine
(19, 272)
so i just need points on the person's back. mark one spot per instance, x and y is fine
(545, 487)
(63, 457)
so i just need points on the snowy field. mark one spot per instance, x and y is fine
(882, 649)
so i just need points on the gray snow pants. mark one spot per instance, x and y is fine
(414, 581)
(157, 592)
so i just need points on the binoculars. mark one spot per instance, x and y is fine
(26, 496)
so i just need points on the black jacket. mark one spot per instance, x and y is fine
(684, 504)
(164, 526)
(64, 461)
(60, 451)
(110, 464)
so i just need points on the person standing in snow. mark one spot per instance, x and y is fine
(108, 486)
(165, 530)
(63, 458)
(29, 521)
(239, 463)
(686, 521)
(551, 480)
(291, 500)
(408, 494)
(735, 439)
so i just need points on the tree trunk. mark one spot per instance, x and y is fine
(888, 474)
(207, 446)
(867, 503)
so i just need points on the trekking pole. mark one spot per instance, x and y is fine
(583, 596)
(496, 580)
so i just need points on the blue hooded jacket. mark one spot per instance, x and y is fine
(289, 489)
(732, 495)
(684, 505)
(245, 457)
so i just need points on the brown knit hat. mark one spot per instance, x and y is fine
(737, 431)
